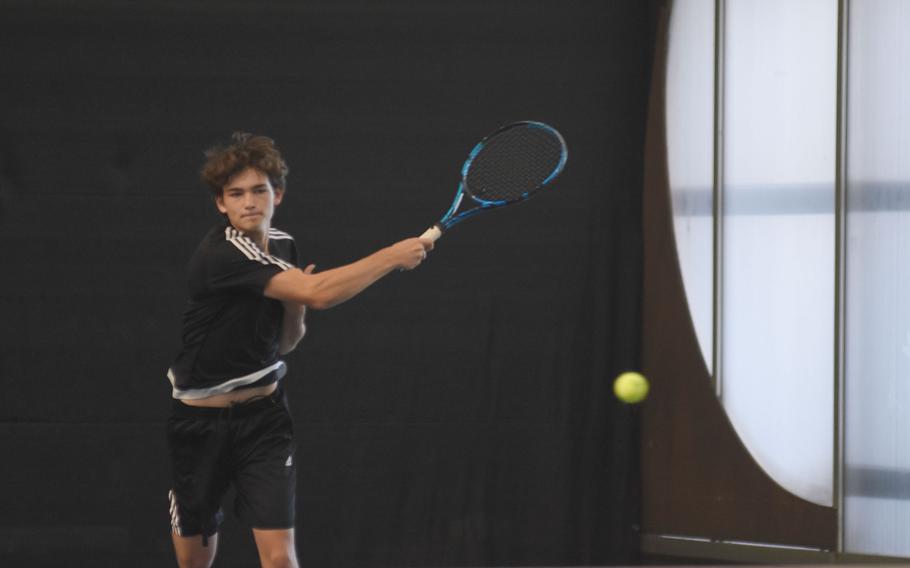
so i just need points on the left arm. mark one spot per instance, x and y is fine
(293, 327)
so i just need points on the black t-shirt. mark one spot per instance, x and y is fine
(231, 331)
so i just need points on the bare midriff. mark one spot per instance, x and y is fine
(233, 397)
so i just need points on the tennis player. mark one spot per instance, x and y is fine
(229, 423)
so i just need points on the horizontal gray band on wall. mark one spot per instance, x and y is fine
(794, 199)
(877, 482)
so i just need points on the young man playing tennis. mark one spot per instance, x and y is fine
(229, 422)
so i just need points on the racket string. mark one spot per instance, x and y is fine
(514, 163)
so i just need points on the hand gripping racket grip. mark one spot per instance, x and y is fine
(433, 233)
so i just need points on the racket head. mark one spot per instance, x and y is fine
(513, 163)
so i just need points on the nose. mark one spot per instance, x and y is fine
(248, 200)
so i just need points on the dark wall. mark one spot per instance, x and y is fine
(457, 415)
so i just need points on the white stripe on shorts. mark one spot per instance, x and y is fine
(175, 514)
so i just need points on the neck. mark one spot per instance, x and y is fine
(258, 236)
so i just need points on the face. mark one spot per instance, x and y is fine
(248, 199)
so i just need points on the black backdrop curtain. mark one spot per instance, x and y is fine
(457, 415)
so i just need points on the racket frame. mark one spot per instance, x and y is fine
(449, 219)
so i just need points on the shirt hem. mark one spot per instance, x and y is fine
(279, 369)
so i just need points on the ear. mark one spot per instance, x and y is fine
(279, 195)
(219, 203)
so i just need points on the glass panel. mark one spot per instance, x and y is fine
(690, 153)
(877, 453)
(780, 85)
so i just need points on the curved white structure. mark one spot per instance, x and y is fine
(777, 255)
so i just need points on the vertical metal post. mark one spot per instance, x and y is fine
(717, 191)
(840, 263)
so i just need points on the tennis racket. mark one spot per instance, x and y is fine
(509, 165)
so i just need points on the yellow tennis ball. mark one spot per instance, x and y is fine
(631, 387)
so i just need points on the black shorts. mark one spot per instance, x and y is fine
(248, 445)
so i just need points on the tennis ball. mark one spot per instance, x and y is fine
(630, 387)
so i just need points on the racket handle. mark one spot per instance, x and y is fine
(433, 233)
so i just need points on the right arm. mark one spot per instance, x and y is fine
(332, 287)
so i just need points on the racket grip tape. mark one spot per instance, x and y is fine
(433, 233)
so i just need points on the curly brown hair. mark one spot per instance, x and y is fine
(245, 151)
